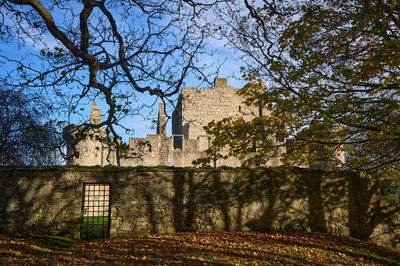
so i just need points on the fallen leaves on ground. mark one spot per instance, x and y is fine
(220, 248)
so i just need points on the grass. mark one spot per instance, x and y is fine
(218, 248)
(94, 227)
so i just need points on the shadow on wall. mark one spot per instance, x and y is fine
(344, 204)
(39, 202)
(177, 200)
(250, 202)
(368, 211)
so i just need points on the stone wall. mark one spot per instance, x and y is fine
(89, 151)
(162, 152)
(172, 200)
(196, 108)
(199, 106)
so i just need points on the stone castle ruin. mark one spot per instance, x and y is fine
(195, 109)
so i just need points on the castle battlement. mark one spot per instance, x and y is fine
(220, 86)
(195, 109)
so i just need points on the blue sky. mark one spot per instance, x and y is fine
(230, 69)
(18, 50)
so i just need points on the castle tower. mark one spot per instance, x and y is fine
(95, 114)
(161, 121)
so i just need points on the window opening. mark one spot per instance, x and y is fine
(177, 142)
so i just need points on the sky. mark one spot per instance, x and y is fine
(230, 68)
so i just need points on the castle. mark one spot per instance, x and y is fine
(195, 109)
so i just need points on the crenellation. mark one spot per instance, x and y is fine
(220, 82)
(188, 91)
(195, 108)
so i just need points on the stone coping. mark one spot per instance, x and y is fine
(168, 169)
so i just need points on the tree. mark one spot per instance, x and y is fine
(332, 81)
(111, 51)
(26, 135)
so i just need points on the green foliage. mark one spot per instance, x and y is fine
(390, 184)
(332, 72)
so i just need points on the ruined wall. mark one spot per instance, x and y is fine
(50, 201)
(89, 151)
(162, 152)
(199, 106)
(196, 108)
(202, 105)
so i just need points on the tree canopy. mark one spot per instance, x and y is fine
(328, 74)
(112, 51)
(26, 138)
